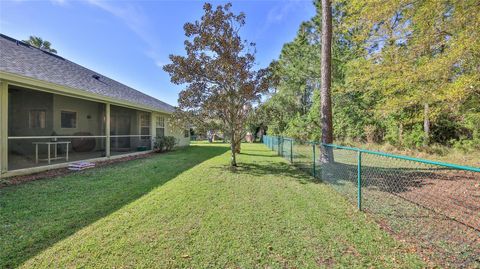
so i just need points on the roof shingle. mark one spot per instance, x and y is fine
(25, 60)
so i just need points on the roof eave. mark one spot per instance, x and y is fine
(29, 82)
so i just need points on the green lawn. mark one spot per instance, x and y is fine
(187, 209)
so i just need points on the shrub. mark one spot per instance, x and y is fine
(373, 133)
(169, 142)
(164, 143)
(415, 137)
(466, 145)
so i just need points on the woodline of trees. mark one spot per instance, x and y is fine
(403, 72)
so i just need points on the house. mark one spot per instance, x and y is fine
(54, 111)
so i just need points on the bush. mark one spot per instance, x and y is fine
(373, 133)
(392, 132)
(466, 145)
(164, 143)
(415, 137)
(169, 142)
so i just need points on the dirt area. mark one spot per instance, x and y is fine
(438, 210)
(454, 195)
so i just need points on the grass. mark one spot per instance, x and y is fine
(187, 209)
(406, 197)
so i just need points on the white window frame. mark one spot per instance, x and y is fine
(148, 136)
(160, 123)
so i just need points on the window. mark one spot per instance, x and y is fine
(68, 119)
(186, 133)
(160, 126)
(145, 131)
(37, 118)
(160, 132)
(160, 122)
(145, 125)
(144, 120)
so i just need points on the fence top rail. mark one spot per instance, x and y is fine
(449, 165)
(401, 157)
(280, 137)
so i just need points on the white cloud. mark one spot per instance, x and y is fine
(59, 2)
(278, 14)
(136, 20)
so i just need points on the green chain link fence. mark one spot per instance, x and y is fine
(434, 205)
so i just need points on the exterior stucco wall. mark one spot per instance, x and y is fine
(171, 130)
(90, 115)
(182, 141)
(20, 103)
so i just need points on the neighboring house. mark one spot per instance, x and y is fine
(51, 108)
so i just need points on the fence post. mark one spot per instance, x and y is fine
(313, 164)
(281, 146)
(359, 180)
(278, 145)
(291, 150)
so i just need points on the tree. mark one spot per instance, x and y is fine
(326, 155)
(40, 43)
(219, 72)
(405, 73)
(294, 107)
(421, 59)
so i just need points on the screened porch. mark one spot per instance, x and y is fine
(46, 128)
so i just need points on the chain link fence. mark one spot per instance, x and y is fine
(435, 206)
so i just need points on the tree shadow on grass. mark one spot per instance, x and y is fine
(278, 169)
(36, 215)
(266, 150)
(259, 155)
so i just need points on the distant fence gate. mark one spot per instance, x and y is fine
(435, 205)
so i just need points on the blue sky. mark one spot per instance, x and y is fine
(129, 41)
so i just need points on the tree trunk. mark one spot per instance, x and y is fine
(233, 161)
(326, 155)
(426, 124)
(238, 147)
(400, 133)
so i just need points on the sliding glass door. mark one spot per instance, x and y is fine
(129, 130)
